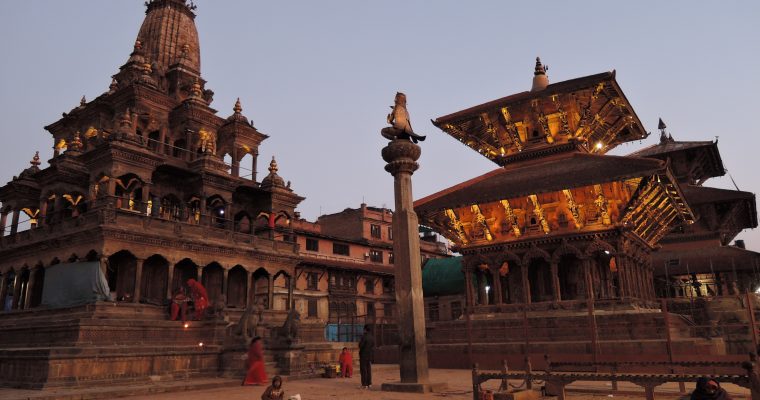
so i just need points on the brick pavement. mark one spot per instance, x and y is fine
(323, 389)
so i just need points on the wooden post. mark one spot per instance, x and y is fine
(753, 326)
(649, 391)
(475, 382)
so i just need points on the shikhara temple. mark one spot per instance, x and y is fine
(148, 187)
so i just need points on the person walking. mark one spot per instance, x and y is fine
(255, 363)
(366, 357)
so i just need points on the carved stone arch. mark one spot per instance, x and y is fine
(281, 215)
(566, 248)
(507, 256)
(599, 245)
(535, 252)
(473, 262)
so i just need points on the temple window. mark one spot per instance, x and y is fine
(456, 309)
(180, 146)
(369, 286)
(153, 140)
(312, 308)
(374, 231)
(312, 281)
(312, 244)
(433, 312)
(340, 249)
(388, 286)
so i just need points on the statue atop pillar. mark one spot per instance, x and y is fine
(401, 127)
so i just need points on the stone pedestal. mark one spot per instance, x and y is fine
(401, 156)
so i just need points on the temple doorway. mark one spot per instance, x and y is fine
(155, 275)
(237, 287)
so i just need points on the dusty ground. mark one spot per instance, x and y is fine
(459, 387)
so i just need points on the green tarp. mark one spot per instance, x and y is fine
(443, 276)
(74, 284)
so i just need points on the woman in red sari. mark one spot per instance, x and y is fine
(200, 297)
(255, 363)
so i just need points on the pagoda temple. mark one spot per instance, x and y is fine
(559, 219)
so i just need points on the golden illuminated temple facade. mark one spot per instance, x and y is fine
(559, 220)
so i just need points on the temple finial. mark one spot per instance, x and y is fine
(273, 166)
(664, 135)
(238, 108)
(36, 159)
(540, 80)
(83, 101)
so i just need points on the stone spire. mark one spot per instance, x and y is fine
(169, 32)
(540, 80)
(237, 108)
(273, 179)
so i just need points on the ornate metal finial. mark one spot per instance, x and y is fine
(196, 90)
(35, 160)
(664, 135)
(540, 68)
(83, 101)
(401, 126)
(273, 166)
(76, 143)
(238, 108)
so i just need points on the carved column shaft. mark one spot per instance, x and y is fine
(587, 267)
(555, 281)
(270, 294)
(225, 285)
(170, 282)
(291, 287)
(3, 221)
(401, 156)
(14, 223)
(138, 280)
(28, 295)
(468, 287)
(525, 283)
(43, 212)
(17, 289)
(498, 297)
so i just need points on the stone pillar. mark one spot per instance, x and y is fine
(104, 267)
(17, 289)
(401, 156)
(29, 286)
(291, 286)
(225, 285)
(498, 297)
(482, 283)
(235, 162)
(145, 198)
(555, 281)
(14, 224)
(587, 265)
(525, 283)
(248, 288)
(254, 157)
(43, 212)
(3, 286)
(3, 221)
(468, 287)
(138, 280)
(270, 294)
(170, 281)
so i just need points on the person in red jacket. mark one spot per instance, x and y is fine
(346, 362)
(200, 297)
(256, 374)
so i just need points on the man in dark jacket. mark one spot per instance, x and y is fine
(366, 355)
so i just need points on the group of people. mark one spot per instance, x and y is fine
(256, 373)
(198, 296)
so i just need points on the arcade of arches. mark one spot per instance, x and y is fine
(599, 272)
(154, 279)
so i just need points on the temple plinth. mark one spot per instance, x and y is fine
(401, 156)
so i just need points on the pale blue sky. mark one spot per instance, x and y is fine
(318, 76)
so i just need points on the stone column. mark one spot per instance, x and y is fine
(145, 198)
(498, 297)
(401, 156)
(270, 294)
(200, 274)
(170, 281)
(248, 288)
(225, 285)
(254, 157)
(104, 267)
(138, 280)
(291, 286)
(3, 287)
(14, 223)
(17, 289)
(555, 281)
(29, 289)
(3, 221)
(235, 170)
(587, 265)
(43, 212)
(525, 283)
(468, 287)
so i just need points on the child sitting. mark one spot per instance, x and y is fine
(274, 391)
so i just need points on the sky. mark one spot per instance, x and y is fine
(318, 77)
